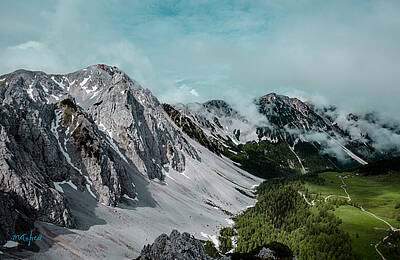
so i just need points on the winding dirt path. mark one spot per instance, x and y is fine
(332, 195)
(312, 203)
(384, 221)
(344, 188)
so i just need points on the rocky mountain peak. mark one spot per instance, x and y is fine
(220, 108)
(269, 96)
(93, 130)
(281, 101)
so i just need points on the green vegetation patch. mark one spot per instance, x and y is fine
(282, 215)
(364, 230)
(265, 159)
(378, 194)
(70, 109)
(225, 239)
(210, 249)
(86, 141)
(391, 247)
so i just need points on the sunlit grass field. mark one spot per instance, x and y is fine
(376, 194)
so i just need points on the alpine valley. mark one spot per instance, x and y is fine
(97, 166)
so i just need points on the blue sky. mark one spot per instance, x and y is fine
(341, 52)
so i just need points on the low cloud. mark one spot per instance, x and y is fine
(343, 52)
(329, 145)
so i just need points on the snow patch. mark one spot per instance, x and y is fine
(55, 97)
(30, 92)
(101, 127)
(60, 189)
(213, 238)
(167, 175)
(54, 127)
(89, 182)
(111, 141)
(10, 244)
(84, 81)
(129, 198)
(60, 84)
(183, 173)
(254, 186)
(230, 221)
(157, 180)
(232, 151)
(44, 88)
(116, 149)
(92, 90)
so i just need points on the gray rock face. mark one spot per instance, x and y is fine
(8, 216)
(266, 253)
(93, 130)
(29, 158)
(177, 246)
(13, 218)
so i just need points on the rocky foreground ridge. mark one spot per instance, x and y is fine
(183, 246)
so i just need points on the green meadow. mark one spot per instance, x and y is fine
(377, 194)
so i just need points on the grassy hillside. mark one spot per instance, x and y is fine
(283, 215)
(270, 160)
(379, 195)
(327, 215)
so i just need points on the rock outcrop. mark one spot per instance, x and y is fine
(176, 246)
(183, 246)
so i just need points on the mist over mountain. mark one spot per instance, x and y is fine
(210, 129)
(98, 140)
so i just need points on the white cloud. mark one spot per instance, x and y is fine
(194, 93)
(341, 52)
(34, 45)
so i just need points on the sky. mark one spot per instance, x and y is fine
(345, 53)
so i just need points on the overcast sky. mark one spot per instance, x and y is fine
(338, 52)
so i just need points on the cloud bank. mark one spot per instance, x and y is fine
(337, 52)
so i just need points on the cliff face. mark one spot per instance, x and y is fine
(93, 129)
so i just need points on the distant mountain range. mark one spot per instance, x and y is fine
(99, 133)
(296, 136)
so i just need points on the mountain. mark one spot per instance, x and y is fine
(88, 128)
(94, 163)
(91, 152)
(293, 136)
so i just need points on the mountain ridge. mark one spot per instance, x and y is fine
(95, 137)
